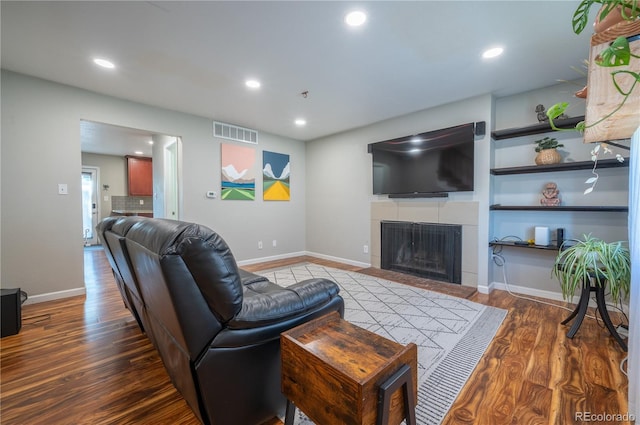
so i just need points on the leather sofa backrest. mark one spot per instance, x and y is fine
(188, 278)
(112, 231)
(115, 238)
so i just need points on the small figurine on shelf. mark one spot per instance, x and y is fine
(550, 195)
(541, 112)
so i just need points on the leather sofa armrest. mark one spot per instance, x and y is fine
(248, 278)
(266, 303)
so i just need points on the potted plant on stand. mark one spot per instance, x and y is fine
(547, 153)
(593, 264)
(593, 258)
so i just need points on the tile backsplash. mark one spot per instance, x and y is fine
(131, 203)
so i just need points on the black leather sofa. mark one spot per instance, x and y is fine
(216, 327)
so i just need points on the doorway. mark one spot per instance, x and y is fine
(89, 204)
(171, 205)
(103, 149)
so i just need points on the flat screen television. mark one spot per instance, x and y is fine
(427, 164)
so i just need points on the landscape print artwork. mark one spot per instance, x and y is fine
(238, 172)
(275, 176)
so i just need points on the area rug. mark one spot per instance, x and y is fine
(451, 333)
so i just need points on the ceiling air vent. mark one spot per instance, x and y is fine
(233, 132)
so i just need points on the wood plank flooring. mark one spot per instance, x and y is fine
(83, 360)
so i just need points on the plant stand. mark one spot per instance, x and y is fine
(581, 311)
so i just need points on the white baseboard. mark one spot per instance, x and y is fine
(556, 296)
(338, 259)
(271, 258)
(300, 254)
(523, 290)
(486, 289)
(34, 299)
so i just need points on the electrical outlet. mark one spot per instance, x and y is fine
(259, 244)
(141, 201)
(63, 189)
(275, 243)
(365, 249)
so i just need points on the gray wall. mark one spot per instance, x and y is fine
(42, 231)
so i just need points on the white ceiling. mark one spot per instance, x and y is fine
(194, 56)
(108, 139)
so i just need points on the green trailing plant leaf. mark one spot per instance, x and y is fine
(558, 109)
(635, 75)
(630, 10)
(554, 112)
(581, 16)
(617, 54)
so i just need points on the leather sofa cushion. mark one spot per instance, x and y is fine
(266, 303)
(248, 278)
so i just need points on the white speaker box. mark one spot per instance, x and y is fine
(542, 236)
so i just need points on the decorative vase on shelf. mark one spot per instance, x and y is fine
(547, 153)
(548, 156)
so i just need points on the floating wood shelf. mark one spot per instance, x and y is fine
(540, 128)
(565, 166)
(592, 208)
(532, 246)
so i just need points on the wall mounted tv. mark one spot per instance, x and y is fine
(427, 164)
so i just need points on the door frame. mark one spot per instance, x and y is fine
(95, 172)
(171, 177)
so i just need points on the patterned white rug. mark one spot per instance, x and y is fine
(451, 333)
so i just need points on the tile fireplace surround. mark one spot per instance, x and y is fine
(462, 213)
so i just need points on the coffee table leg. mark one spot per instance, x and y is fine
(290, 414)
(402, 378)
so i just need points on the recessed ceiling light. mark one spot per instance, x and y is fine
(151, 142)
(355, 18)
(300, 122)
(252, 84)
(138, 152)
(492, 53)
(104, 63)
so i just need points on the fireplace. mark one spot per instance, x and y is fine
(427, 250)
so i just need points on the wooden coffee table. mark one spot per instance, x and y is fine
(339, 373)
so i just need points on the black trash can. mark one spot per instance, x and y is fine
(11, 310)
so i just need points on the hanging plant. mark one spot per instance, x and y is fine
(616, 55)
(594, 157)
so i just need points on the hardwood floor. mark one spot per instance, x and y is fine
(83, 360)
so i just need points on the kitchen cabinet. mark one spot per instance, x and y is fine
(139, 176)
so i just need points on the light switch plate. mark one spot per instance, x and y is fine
(63, 189)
